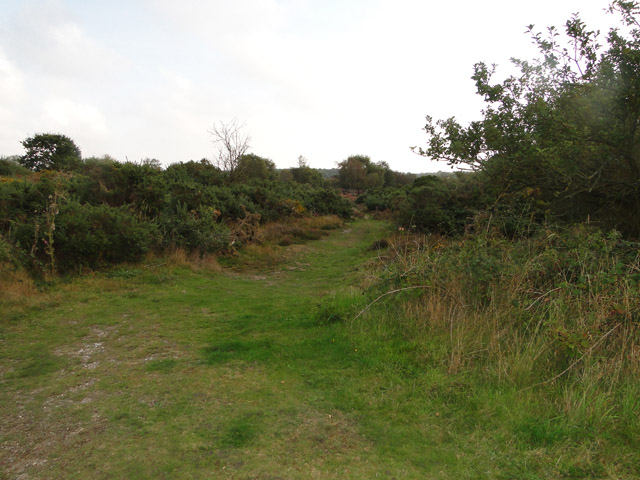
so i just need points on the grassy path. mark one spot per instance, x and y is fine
(174, 372)
(165, 372)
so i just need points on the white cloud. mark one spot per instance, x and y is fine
(11, 81)
(44, 37)
(61, 114)
(12, 95)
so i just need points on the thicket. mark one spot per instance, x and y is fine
(98, 211)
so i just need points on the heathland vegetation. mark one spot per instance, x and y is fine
(172, 322)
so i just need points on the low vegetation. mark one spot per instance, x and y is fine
(103, 212)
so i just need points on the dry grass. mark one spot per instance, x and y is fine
(15, 285)
(524, 311)
(179, 257)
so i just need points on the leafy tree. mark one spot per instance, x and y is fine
(568, 126)
(251, 166)
(307, 175)
(49, 151)
(353, 172)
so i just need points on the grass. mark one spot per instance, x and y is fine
(255, 369)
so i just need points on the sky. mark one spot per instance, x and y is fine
(324, 79)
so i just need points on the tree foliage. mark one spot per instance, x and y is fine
(358, 173)
(49, 151)
(252, 166)
(567, 127)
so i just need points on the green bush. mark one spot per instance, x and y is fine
(21, 199)
(97, 235)
(379, 199)
(438, 205)
(202, 173)
(327, 202)
(108, 212)
(140, 185)
(10, 166)
(193, 229)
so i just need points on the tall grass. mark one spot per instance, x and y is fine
(557, 314)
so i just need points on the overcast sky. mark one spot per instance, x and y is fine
(321, 78)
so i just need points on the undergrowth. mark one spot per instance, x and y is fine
(553, 319)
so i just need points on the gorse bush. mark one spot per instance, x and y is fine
(327, 202)
(107, 212)
(381, 199)
(193, 229)
(95, 236)
(5, 250)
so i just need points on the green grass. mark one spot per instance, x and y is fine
(258, 371)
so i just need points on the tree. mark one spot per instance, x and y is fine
(49, 151)
(307, 175)
(352, 173)
(567, 127)
(304, 174)
(358, 172)
(251, 166)
(231, 143)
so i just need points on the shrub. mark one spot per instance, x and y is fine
(551, 298)
(327, 202)
(438, 205)
(193, 229)
(94, 236)
(140, 185)
(10, 166)
(202, 173)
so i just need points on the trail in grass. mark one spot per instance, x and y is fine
(160, 372)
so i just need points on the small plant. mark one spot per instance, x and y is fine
(337, 308)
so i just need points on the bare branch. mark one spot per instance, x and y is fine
(231, 143)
